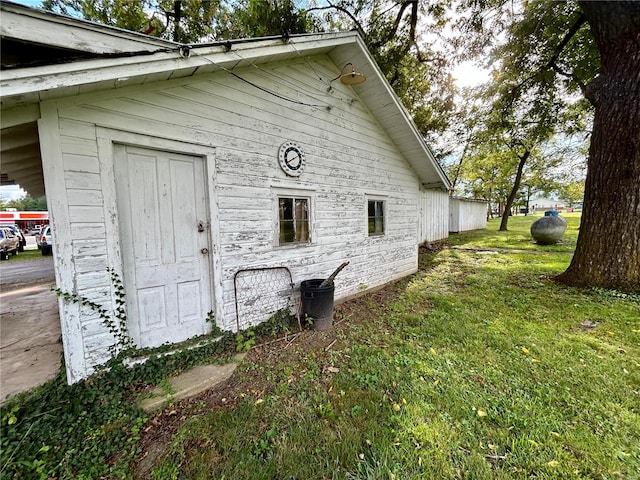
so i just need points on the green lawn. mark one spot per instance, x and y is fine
(26, 255)
(479, 366)
(476, 367)
(518, 236)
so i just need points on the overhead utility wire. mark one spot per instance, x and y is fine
(282, 97)
(266, 90)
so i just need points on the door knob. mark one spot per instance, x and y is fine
(204, 251)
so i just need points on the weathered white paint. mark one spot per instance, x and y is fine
(19, 116)
(21, 86)
(467, 214)
(162, 200)
(433, 215)
(70, 316)
(97, 142)
(29, 24)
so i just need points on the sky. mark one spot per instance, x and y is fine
(466, 75)
(11, 192)
(30, 3)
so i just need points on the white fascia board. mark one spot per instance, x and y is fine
(31, 25)
(397, 105)
(208, 58)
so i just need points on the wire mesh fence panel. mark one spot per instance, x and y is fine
(261, 293)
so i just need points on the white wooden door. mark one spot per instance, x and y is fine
(165, 244)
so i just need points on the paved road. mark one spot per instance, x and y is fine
(18, 271)
(30, 349)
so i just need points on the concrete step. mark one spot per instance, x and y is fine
(190, 383)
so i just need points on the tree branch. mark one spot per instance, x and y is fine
(551, 63)
(573, 76)
(396, 24)
(340, 8)
(567, 38)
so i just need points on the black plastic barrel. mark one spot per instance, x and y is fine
(317, 303)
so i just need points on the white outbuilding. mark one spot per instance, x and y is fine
(212, 178)
(467, 214)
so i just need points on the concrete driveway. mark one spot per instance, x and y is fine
(30, 336)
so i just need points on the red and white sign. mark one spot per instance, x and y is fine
(9, 217)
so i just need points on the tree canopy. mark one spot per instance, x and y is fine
(191, 21)
(555, 64)
(26, 204)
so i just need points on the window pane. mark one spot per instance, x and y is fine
(287, 231)
(302, 220)
(294, 220)
(286, 209)
(375, 217)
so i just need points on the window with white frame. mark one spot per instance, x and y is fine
(375, 216)
(293, 220)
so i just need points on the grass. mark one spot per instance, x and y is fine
(26, 256)
(517, 236)
(479, 366)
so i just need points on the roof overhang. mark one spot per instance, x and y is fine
(25, 87)
(39, 27)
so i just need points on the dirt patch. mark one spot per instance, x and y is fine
(158, 432)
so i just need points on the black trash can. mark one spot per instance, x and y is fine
(317, 303)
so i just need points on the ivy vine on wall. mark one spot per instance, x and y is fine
(115, 321)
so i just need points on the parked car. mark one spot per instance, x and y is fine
(9, 243)
(18, 233)
(38, 234)
(46, 241)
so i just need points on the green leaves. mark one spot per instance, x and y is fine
(245, 340)
(115, 321)
(199, 20)
(26, 203)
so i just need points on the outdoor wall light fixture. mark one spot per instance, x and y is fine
(349, 78)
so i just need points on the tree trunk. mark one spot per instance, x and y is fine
(608, 248)
(514, 191)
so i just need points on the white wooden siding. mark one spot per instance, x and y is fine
(467, 214)
(434, 215)
(349, 156)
